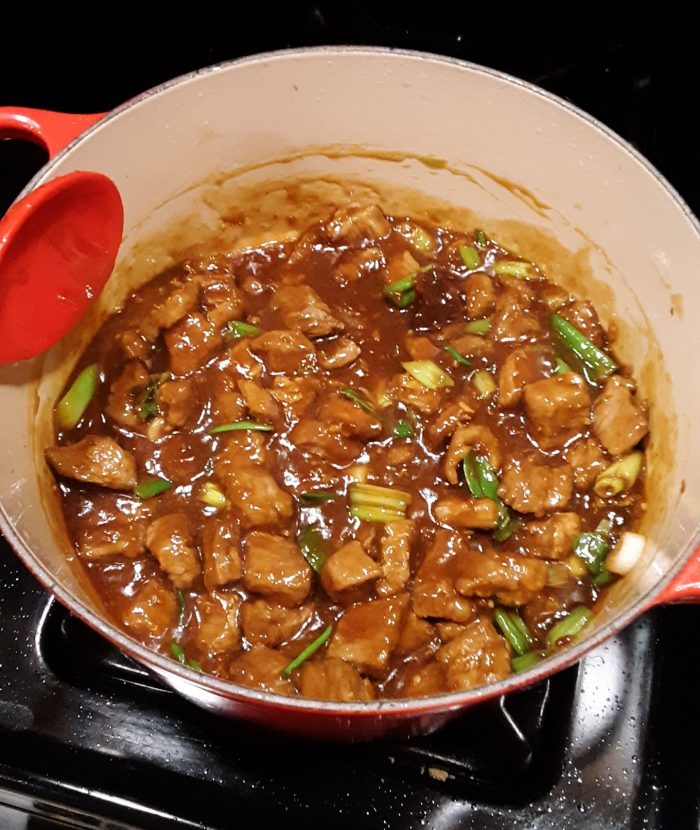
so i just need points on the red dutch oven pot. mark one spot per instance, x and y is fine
(598, 216)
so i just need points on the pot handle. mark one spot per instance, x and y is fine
(686, 586)
(51, 130)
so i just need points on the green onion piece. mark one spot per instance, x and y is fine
(401, 285)
(310, 650)
(403, 429)
(433, 163)
(480, 238)
(73, 404)
(596, 360)
(562, 367)
(194, 665)
(148, 408)
(602, 578)
(428, 374)
(371, 495)
(506, 524)
(519, 623)
(516, 268)
(558, 574)
(481, 478)
(406, 299)
(478, 326)
(312, 545)
(420, 240)
(236, 328)
(619, 476)
(151, 486)
(211, 495)
(457, 356)
(526, 661)
(512, 631)
(484, 384)
(318, 496)
(178, 653)
(570, 626)
(593, 546)
(370, 513)
(472, 475)
(359, 400)
(470, 256)
(238, 426)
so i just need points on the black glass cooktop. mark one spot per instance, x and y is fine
(89, 739)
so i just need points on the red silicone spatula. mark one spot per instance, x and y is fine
(57, 249)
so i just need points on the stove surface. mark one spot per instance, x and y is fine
(89, 739)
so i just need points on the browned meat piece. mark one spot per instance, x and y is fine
(511, 578)
(256, 497)
(348, 568)
(349, 418)
(152, 610)
(226, 403)
(551, 538)
(191, 343)
(295, 394)
(270, 624)
(216, 616)
(457, 512)
(481, 295)
(358, 223)
(125, 395)
(434, 592)
(583, 316)
(465, 439)
(430, 679)
(475, 657)
(354, 264)
(416, 634)
(262, 668)
(240, 449)
(176, 401)
(420, 347)
(124, 537)
(322, 440)
(456, 414)
(449, 630)
(221, 556)
(474, 346)
(399, 266)
(275, 568)
(170, 540)
(260, 402)
(529, 487)
(515, 317)
(543, 610)
(285, 351)
(619, 422)
(177, 305)
(527, 364)
(367, 633)
(221, 298)
(301, 309)
(183, 456)
(134, 345)
(554, 296)
(242, 361)
(333, 679)
(414, 395)
(588, 459)
(395, 547)
(557, 409)
(339, 353)
(96, 459)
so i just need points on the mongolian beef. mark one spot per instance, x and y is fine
(385, 460)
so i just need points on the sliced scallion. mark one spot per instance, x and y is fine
(421, 240)
(148, 408)
(562, 367)
(151, 486)
(178, 654)
(71, 407)
(478, 326)
(470, 256)
(480, 238)
(516, 268)
(371, 503)
(318, 496)
(313, 546)
(403, 429)
(457, 356)
(570, 626)
(513, 629)
(363, 403)
(428, 374)
(309, 651)
(600, 364)
(619, 477)
(526, 661)
(212, 496)
(237, 328)
(592, 546)
(241, 426)
(484, 383)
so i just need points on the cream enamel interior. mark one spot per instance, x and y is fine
(213, 158)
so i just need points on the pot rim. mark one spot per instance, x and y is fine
(403, 706)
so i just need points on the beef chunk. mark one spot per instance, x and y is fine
(326, 441)
(191, 343)
(480, 294)
(348, 568)
(557, 408)
(525, 365)
(514, 317)
(256, 497)
(275, 568)
(339, 353)
(475, 657)
(529, 487)
(177, 305)
(170, 540)
(479, 514)
(151, 610)
(434, 592)
(619, 422)
(176, 401)
(511, 578)
(334, 679)
(367, 633)
(349, 419)
(430, 679)
(259, 401)
(301, 309)
(271, 624)
(358, 223)
(220, 553)
(96, 459)
(465, 439)
(297, 394)
(588, 460)
(416, 634)
(395, 547)
(552, 538)
(262, 668)
(583, 316)
(285, 351)
(216, 616)
(125, 394)
(122, 537)
(456, 414)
